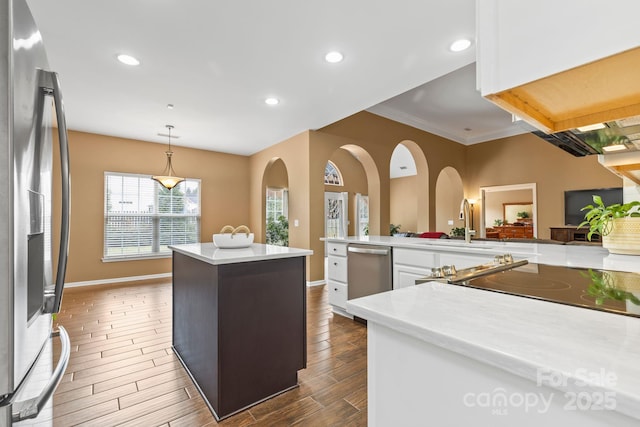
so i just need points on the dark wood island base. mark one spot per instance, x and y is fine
(239, 328)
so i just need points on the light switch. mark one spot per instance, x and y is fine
(450, 222)
(296, 223)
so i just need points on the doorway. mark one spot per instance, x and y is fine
(497, 201)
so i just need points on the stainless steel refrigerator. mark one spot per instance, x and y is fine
(31, 110)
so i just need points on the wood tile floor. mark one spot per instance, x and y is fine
(123, 371)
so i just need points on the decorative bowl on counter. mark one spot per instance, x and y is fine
(233, 238)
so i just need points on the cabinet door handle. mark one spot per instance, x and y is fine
(335, 289)
(335, 263)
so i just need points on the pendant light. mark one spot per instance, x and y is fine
(168, 179)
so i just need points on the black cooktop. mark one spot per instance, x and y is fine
(606, 290)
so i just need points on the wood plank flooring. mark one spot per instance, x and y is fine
(123, 371)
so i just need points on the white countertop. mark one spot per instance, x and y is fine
(520, 335)
(540, 253)
(208, 252)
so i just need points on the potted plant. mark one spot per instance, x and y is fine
(619, 225)
(457, 232)
(393, 229)
(522, 215)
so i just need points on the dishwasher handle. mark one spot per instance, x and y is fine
(368, 251)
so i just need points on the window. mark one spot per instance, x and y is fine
(332, 175)
(142, 218)
(277, 232)
(277, 203)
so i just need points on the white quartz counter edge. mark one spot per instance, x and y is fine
(520, 335)
(211, 254)
(540, 253)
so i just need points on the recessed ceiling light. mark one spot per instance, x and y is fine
(460, 45)
(128, 59)
(333, 57)
(272, 101)
(170, 106)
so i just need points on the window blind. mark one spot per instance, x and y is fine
(142, 218)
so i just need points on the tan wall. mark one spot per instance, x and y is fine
(294, 153)
(233, 186)
(527, 158)
(276, 175)
(404, 203)
(379, 136)
(225, 184)
(354, 179)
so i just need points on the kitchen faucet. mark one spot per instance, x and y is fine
(466, 212)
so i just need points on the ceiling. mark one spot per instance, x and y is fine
(451, 107)
(217, 61)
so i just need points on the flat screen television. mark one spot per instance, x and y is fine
(575, 200)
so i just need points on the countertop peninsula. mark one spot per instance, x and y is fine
(539, 253)
(495, 346)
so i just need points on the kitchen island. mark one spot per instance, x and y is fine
(239, 321)
(454, 355)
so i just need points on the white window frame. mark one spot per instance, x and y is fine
(156, 250)
(338, 173)
(285, 202)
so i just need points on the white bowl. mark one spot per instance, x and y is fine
(230, 241)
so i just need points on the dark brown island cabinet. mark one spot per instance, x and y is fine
(239, 321)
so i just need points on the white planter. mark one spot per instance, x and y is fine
(624, 237)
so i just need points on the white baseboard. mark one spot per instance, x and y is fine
(316, 283)
(117, 280)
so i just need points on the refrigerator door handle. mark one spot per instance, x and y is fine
(30, 408)
(53, 298)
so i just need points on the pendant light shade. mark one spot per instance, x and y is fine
(168, 179)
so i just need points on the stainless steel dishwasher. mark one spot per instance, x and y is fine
(368, 270)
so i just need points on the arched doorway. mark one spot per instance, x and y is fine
(275, 205)
(360, 189)
(449, 196)
(345, 185)
(409, 187)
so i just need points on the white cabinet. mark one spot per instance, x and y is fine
(338, 249)
(519, 42)
(337, 268)
(464, 260)
(411, 264)
(544, 61)
(337, 293)
(337, 274)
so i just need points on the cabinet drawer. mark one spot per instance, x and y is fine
(337, 294)
(337, 268)
(415, 257)
(337, 249)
